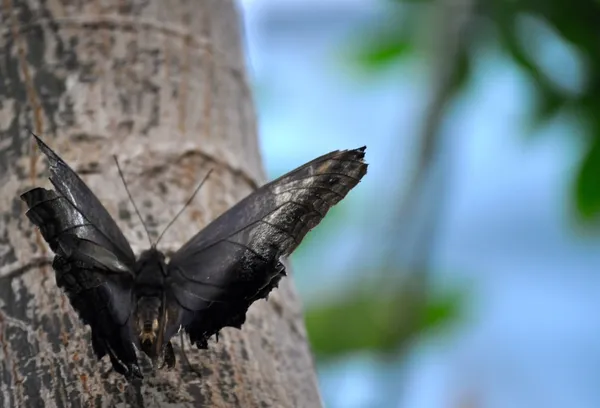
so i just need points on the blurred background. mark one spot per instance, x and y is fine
(463, 271)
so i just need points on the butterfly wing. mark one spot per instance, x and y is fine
(93, 261)
(235, 260)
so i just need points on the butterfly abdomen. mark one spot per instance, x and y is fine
(149, 292)
(147, 318)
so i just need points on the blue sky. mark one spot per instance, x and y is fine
(531, 337)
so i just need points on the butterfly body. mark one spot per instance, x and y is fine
(208, 284)
(148, 291)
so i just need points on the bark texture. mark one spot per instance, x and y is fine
(162, 84)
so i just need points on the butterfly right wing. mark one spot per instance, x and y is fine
(93, 261)
(219, 273)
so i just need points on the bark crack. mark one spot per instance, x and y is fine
(32, 95)
(210, 158)
(16, 380)
(9, 274)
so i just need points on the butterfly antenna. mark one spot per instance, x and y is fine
(185, 205)
(133, 202)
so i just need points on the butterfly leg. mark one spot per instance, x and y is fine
(134, 372)
(170, 359)
(129, 370)
(187, 361)
(117, 366)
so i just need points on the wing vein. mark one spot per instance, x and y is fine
(307, 208)
(313, 188)
(58, 197)
(278, 228)
(56, 236)
(262, 258)
(200, 250)
(331, 173)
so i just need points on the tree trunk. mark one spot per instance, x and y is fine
(163, 85)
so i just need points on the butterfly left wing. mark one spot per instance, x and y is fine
(215, 277)
(93, 261)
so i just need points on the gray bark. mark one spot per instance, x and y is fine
(163, 85)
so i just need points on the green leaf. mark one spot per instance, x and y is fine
(355, 323)
(462, 72)
(442, 309)
(377, 320)
(511, 44)
(550, 103)
(409, 1)
(587, 184)
(388, 43)
(550, 99)
(383, 51)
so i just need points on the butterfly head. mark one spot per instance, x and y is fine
(151, 255)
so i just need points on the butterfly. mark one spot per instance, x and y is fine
(139, 303)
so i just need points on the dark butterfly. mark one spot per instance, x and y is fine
(206, 285)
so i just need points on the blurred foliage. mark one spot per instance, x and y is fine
(370, 320)
(394, 309)
(382, 48)
(378, 319)
(576, 24)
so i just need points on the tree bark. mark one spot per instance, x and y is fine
(163, 85)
